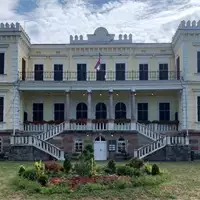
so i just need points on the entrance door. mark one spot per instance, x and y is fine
(100, 148)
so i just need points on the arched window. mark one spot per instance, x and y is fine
(121, 145)
(78, 145)
(120, 111)
(100, 138)
(101, 111)
(81, 111)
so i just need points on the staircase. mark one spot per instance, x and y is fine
(40, 141)
(145, 131)
(52, 132)
(39, 144)
(159, 144)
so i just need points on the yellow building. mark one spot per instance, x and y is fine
(143, 97)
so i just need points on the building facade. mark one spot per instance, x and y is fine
(146, 96)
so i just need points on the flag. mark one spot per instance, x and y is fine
(98, 64)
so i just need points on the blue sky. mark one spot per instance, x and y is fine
(53, 21)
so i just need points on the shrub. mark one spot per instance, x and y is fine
(30, 174)
(39, 168)
(148, 168)
(89, 148)
(82, 168)
(135, 163)
(127, 171)
(53, 166)
(43, 180)
(155, 170)
(86, 165)
(111, 167)
(67, 165)
(21, 170)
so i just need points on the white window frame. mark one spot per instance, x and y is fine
(120, 143)
(78, 141)
(3, 50)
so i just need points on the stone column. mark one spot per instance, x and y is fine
(67, 106)
(184, 108)
(111, 110)
(133, 106)
(133, 110)
(89, 102)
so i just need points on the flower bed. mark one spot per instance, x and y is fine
(74, 182)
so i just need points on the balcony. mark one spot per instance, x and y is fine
(99, 76)
(96, 125)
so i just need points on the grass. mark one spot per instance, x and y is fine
(184, 185)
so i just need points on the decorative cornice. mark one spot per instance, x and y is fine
(48, 56)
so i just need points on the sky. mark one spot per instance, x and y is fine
(53, 21)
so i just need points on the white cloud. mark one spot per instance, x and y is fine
(147, 20)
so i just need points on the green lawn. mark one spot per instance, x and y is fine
(184, 185)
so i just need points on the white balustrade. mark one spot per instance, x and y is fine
(78, 126)
(122, 126)
(159, 144)
(144, 130)
(39, 144)
(37, 127)
(100, 126)
(162, 127)
(54, 131)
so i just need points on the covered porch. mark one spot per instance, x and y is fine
(100, 110)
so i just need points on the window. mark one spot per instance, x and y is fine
(38, 112)
(164, 111)
(163, 71)
(1, 144)
(178, 68)
(2, 64)
(120, 71)
(100, 138)
(143, 71)
(142, 111)
(58, 72)
(59, 110)
(198, 62)
(101, 111)
(198, 108)
(120, 111)
(23, 69)
(78, 145)
(81, 72)
(81, 111)
(38, 72)
(1, 109)
(121, 145)
(101, 74)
